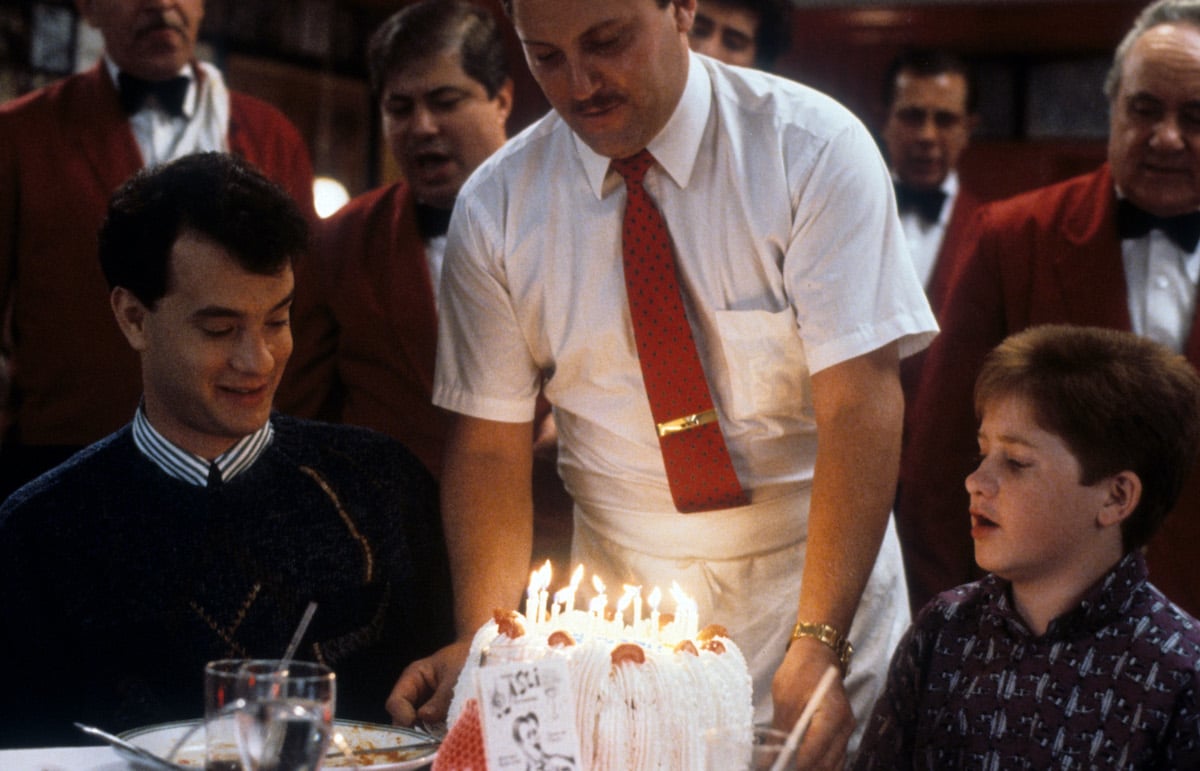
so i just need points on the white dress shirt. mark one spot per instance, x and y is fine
(191, 468)
(924, 237)
(1161, 281)
(791, 260)
(204, 125)
(435, 256)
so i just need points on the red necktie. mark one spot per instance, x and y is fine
(699, 470)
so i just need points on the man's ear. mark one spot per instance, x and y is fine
(1124, 494)
(131, 316)
(685, 14)
(505, 95)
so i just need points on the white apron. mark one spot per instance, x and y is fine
(743, 568)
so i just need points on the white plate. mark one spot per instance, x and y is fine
(159, 739)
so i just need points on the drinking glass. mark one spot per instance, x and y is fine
(267, 714)
(744, 748)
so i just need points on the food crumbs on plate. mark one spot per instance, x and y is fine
(359, 743)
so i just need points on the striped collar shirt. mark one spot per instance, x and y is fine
(191, 468)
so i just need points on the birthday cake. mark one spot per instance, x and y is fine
(644, 692)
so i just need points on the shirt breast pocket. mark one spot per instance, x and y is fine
(768, 372)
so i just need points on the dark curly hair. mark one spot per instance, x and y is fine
(216, 196)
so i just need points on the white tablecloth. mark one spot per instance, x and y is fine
(63, 759)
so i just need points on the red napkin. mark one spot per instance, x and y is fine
(462, 749)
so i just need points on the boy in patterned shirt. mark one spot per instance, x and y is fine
(1065, 656)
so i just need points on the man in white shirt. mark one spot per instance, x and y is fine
(1113, 248)
(801, 299)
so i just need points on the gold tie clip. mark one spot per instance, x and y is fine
(668, 427)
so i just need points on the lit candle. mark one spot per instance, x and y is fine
(637, 608)
(576, 578)
(531, 597)
(596, 610)
(598, 605)
(654, 598)
(627, 596)
(560, 600)
(679, 626)
(545, 573)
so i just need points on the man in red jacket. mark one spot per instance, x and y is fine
(1114, 248)
(365, 318)
(931, 100)
(63, 150)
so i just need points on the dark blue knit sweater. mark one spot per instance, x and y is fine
(118, 582)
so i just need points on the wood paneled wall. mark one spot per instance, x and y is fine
(844, 51)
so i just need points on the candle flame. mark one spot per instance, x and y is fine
(562, 595)
(654, 598)
(539, 579)
(597, 584)
(577, 576)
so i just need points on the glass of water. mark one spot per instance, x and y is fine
(281, 712)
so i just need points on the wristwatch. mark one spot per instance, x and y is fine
(828, 635)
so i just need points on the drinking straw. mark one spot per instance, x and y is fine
(793, 737)
(294, 645)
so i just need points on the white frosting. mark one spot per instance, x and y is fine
(630, 716)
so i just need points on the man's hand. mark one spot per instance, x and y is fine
(824, 744)
(426, 685)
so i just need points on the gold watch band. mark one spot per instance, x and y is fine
(828, 635)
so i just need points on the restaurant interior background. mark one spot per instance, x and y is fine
(1040, 62)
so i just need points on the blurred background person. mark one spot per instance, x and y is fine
(931, 101)
(365, 318)
(748, 33)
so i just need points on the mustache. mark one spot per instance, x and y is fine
(597, 103)
(171, 21)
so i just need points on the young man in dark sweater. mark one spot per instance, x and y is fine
(204, 528)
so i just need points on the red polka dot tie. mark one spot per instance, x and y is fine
(699, 470)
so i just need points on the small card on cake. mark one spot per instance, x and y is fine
(528, 715)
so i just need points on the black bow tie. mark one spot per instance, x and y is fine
(1182, 229)
(168, 94)
(432, 221)
(926, 202)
